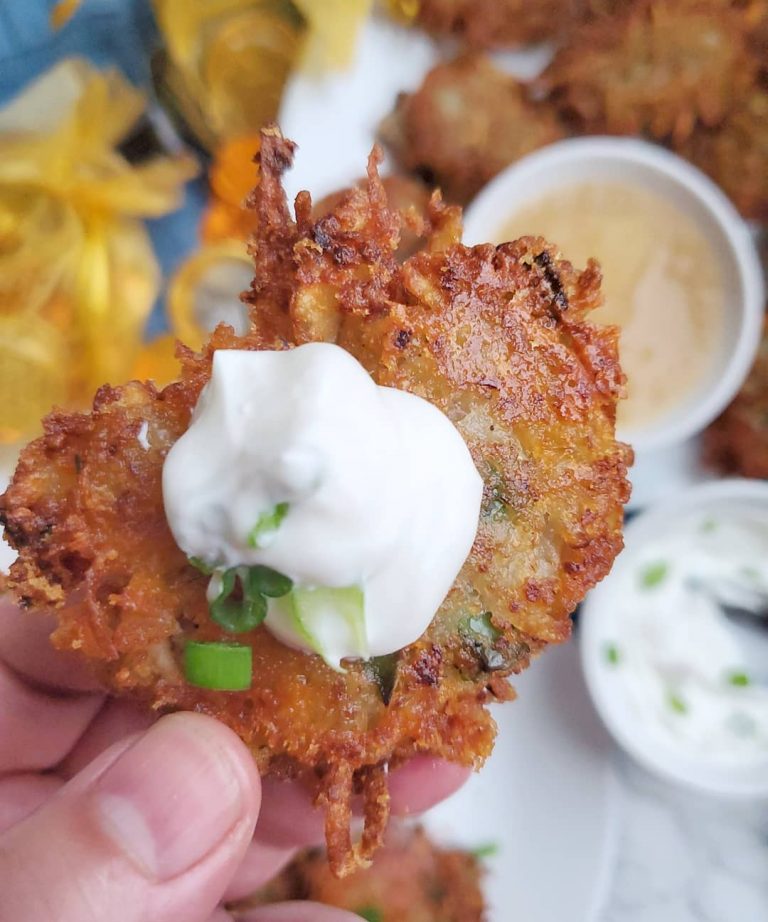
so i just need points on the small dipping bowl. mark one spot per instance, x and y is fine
(638, 164)
(600, 630)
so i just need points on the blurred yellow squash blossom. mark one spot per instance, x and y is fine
(77, 273)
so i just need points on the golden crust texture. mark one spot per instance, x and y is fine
(411, 880)
(661, 68)
(737, 441)
(499, 23)
(497, 338)
(466, 122)
(735, 154)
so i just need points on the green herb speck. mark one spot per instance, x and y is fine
(654, 574)
(370, 914)
(496, 495)
(750, 573)
(676, 703)
(708, 525)
(612, 654)
(267, 523)
(739, 679)
(199, 564)
(486, 851)
(482, 626)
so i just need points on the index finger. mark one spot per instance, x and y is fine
(25, 646)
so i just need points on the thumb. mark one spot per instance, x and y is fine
(152, 831)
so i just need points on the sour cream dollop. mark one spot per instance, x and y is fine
(695, 680)
(298, 461)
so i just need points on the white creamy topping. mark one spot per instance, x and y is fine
(695, 680)
(376, 492)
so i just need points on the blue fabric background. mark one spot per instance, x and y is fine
(109, 32)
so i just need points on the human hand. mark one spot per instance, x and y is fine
(105, 814)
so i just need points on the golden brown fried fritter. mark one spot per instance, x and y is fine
(405, 194)
(735, 155)
(466, 122)
(737, 441)
(660, 68)
(497, 338)
(499, 23)
(411, 880)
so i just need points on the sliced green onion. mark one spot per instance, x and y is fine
(268, 582)
(267, 524)
(311, 607)
(222, 666)
(739, 679)
(654, 574)
(612, 654)
(238, 615)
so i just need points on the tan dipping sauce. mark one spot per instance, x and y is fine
(662, 285)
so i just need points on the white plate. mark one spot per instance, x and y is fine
(334, 117)
(547, 797)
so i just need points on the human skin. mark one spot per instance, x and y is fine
(108, 812)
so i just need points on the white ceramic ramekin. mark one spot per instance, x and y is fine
(598, 628)
(639, 163)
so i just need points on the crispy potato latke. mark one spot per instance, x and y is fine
(466, 122)
(499, 23)
(659, 68)
(737, 441)
(411, 880)
(735, 155)
(405, 194)
(497, 338)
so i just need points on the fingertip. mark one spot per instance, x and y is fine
(21, 795)
(117, 719)
(261, 863)
(288, 818)
(26, 647)
(160, 820)
(177, 793)
(423, 782)
(26, 710)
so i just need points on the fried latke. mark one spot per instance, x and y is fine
(735, 154)
(498, 339)
(736, 443)
(466, 122)
(661, 68)
(499, 23)
(405, 194)
(410, 880)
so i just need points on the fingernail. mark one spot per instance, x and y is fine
(173, 796)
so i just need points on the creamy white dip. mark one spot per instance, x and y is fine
(299, 462)
(696, 680)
